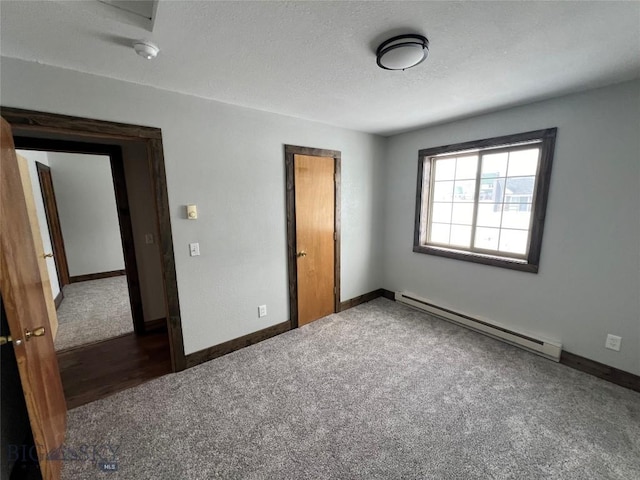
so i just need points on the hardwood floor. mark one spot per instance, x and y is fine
(101, 369)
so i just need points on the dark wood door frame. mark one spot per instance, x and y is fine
(114, 152)
(53, 222)
(289, 152)
(39, 125)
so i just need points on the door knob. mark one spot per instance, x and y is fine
(302, 254)
(48, 255)
(38, 332)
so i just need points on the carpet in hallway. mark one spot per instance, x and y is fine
(92, 311)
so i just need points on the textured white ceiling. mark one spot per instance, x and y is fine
(316, 60)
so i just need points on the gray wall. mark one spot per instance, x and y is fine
(230, 162)
(589, 279)
(88, 213)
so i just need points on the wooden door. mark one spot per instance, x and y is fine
(24, 293)
(27, 188)
(53, 221)
(315, 229)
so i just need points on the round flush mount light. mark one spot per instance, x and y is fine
(402, 52)
(146, 49)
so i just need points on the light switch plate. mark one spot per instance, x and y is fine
(613, 342)
(194, 249)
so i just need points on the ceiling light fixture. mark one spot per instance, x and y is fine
(146, 49)
(402, 52)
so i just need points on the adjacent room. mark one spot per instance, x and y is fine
(90, 290)
(312, 239)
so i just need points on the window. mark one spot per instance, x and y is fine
(485, 201)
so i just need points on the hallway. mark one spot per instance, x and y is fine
(93, 311)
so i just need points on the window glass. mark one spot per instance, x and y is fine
(482, 203)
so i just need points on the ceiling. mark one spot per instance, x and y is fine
(143, 8)
(316, 59)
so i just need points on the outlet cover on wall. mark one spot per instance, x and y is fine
(194, 249)
(613, 342)
(262, 311)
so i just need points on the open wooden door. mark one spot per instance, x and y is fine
(53, 223)
(41, 255)
(24, 293)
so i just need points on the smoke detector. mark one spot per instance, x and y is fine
(146, 49)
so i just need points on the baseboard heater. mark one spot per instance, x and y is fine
(546, 348)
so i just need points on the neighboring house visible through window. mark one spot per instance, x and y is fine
(485, 201)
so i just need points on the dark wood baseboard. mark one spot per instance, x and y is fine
(359, 300)
(96, 276)
(155, 325)
(367, 297)
(216, 351)
(221, 349)
(58, 300)
(600, 370)
(388, 294)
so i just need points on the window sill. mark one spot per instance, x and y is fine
(502, 262)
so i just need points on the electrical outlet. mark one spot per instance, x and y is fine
(148, 238)
(613, 342)
(262, 311)
(194, 249)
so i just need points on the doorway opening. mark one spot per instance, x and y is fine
(313, 232)
(85, 221)
(143, 285)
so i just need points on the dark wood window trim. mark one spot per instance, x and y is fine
(27, 123)
(543, 178)
(289, 152)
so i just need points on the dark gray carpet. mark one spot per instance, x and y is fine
(93, 311)
(377, 392)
